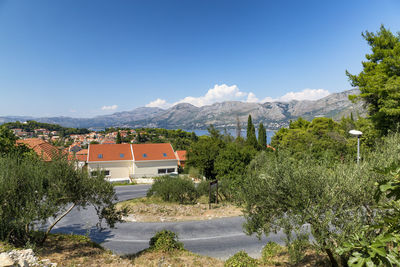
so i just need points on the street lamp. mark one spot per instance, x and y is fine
(358, 134)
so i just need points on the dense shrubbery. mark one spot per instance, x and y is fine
(241, 259)
(165, 241)
(270, 250)
(336, 199)
(174, 189)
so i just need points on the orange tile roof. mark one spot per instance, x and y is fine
(163, 151)
(181, 154)
(42, 148)
(109, 152)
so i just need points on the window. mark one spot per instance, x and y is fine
(105, 172)
(170, 170)
(162, 171)
(100, 156)
(144, 155)
(121, 155)
(164, 154)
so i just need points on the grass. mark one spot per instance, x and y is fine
(77, 250)
(123, 183)
(154, 209)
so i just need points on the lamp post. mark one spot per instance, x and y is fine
(358, 134)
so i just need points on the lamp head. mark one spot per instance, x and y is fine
(355, 132)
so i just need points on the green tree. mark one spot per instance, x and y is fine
(203, 153)
(321, 137)
(32, 191)
(379, 81)
(251, 133)
(335, 199)
(118, 139)
(262, 136)
(231, 163)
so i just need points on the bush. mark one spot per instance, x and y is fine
(241, 259)
(174, 189)
(270, 250)
(164, 241)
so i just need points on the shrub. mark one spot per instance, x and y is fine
(164, 241)
(241, 259)
(270, 250)
(173, 189)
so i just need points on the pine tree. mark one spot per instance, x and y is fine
(262, 136)
(119, 139)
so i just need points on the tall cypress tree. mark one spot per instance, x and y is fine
(262, 136)
(251, 133)
(119, 139)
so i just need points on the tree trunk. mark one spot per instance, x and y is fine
(331, 258)
(56, 221)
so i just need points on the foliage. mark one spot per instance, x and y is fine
(118, 139)
(8, 144)
(335, 199)
(33, 191)
(379, 243)
(231, 163)
(174, 189)
(379, 81)
(296, 248)
(203, 153)
(179, 139)
(165, 241)
(321, 137)
(262, 136)
(270, 250)
(241, 259)
(251, 139)
(194, 172)
(29, 126)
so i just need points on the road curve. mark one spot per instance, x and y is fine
(219, 238)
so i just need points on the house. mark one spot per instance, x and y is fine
(115, 160)
(131, 161)
(181, 156)
(45, 150)
(153, 160)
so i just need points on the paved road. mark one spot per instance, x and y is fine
(219, 238)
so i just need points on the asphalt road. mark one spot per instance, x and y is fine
(219, 238)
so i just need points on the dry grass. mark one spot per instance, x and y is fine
(154, 210)
(75, 250)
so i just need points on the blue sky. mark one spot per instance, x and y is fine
(83, 58)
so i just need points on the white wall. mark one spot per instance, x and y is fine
(150, 168)
(118, 169)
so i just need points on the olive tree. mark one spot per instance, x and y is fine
(32, 191)
(333, 199)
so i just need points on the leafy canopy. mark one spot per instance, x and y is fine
(379, 81)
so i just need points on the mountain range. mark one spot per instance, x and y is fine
(273, 115)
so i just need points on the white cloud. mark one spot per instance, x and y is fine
(113, 107)
(158, 103)
(252, 98)
(219, 93)
(306, 94)
(223, 92)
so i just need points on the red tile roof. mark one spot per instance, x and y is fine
(42, 148)
(109, 152)
(163, 151)
(181, 155)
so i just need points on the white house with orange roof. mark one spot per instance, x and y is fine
(115, 160)
(132, 161)
(150, 160)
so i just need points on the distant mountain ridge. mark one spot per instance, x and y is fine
(273, 115)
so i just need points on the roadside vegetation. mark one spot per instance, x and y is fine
(333, 211)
